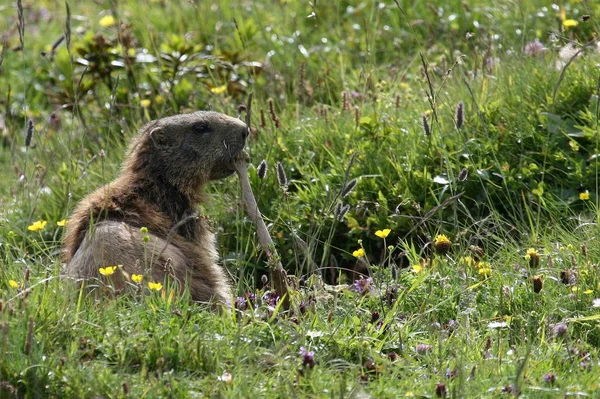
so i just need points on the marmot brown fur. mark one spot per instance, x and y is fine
(159, 188)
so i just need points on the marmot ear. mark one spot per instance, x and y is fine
(157, 137)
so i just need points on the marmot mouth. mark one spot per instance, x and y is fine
(221, 172)
(224, 167)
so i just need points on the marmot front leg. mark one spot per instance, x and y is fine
(112, 243)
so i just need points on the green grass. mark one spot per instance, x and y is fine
(349, 83)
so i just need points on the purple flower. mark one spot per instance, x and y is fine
(423, 349)
(560, 330)
(308, 357)
(534, 48)
(451, 373)
(251, 297)
(241, 303)
(362, 286)
(450, 326)
(271, 298)
(549, 378)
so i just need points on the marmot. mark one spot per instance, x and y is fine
(159, 188)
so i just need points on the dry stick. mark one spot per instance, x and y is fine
(567, 64)
(278, 274)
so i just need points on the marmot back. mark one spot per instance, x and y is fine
(159, 188)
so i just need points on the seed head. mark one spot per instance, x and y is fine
(349, 188)
(426, 127)
(344, 210)
(281, 177)
(460, 115)
(57, 43)
(29, 133)
(538, 283)
(262, 169)
(345, 101)
(29, 336)
(338, 209)
(263, 120)
(567, 277)
(464, 173)
(440, 390)
(274, 116)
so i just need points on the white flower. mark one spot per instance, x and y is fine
(497, 324)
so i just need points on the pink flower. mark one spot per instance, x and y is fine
(534, 48)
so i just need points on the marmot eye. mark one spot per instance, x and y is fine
(200, 127)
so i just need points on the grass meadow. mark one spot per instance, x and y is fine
(439, 216)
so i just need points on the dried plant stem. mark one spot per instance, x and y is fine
(29, 336)
(278, 274)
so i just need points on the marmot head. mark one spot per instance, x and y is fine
(188, 150)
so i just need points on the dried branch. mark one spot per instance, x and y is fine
(278, 274)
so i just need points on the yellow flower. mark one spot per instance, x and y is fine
(485, 269)
(37, 226)
(533, 257)
(155, 286)
(108, 270)
(568, 23)
(218, 90)
(159, 99)
(442, 244)
(588, 292)
(137, 278)
(14, 284)
(584, 196)
(145, 103)
(61, 223)
(107, 21)
(467, 260)
(417, 268)
(383, 233)
(532, 252)
(358, 253)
